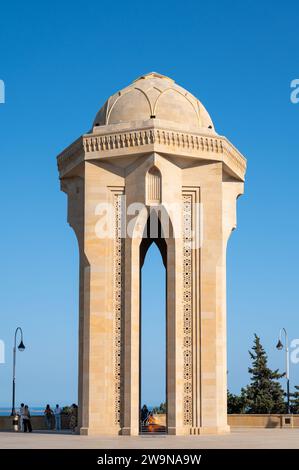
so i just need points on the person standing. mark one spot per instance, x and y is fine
(48, 416)
(144, 414)
(21, 415)
(57, 414)
(74, 418)
(27, 419)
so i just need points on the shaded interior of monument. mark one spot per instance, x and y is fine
(153, 318)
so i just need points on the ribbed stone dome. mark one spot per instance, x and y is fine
(154, 96)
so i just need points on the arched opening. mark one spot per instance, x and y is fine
(153, 278)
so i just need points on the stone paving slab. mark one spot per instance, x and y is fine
(238, 439)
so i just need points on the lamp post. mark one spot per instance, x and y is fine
(280, 346)
(21, 348)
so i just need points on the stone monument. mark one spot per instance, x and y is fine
(152, 155)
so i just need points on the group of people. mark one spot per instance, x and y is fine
(49, 413)
(25, 417)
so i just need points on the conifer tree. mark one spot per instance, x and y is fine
(264, 394)
(295, 400)
(235, 403)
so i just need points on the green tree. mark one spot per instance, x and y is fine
(235, 403)
(295, 400)
(160, 409)
(264, 394)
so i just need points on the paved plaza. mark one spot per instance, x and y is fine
(238, 439)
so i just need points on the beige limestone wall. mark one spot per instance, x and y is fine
(263, 421)
(250, 420)
(37, 422)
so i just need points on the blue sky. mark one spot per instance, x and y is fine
(153, 329)
(60, 61)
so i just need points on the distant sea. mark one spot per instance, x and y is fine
(35, 410)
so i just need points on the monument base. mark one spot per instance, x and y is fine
(130, 431)
(195, 431)
(100, 431)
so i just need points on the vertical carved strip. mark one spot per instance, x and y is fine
(118, 305)
(187, 307)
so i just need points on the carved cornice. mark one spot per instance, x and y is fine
(70, 154)
(141, 137)
(119, 144)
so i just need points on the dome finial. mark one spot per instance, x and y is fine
(153, 75)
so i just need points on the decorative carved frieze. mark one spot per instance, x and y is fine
(137, 138)
(210, 147)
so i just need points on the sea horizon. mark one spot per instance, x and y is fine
(38, 409)
(34, 410)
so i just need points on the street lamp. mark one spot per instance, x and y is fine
(279, 346)
(21, 348)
